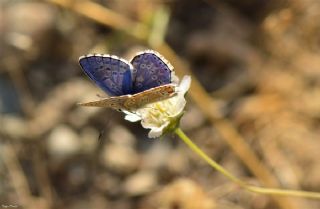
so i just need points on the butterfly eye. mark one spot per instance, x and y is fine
(143, 65)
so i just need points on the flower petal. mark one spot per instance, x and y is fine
(156, 131)
(184, 85)
(131, 116)
(162, 116)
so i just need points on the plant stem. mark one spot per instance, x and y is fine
(242, 184)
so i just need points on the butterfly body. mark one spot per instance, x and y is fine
(130, 85)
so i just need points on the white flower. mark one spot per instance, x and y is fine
(162, 116)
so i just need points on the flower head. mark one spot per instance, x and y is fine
(163, 116)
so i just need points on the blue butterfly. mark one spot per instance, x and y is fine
(147, 78)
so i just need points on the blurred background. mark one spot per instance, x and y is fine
(254, 105)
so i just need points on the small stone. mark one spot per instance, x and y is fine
(122, 136)
(157, 156)
(119, 158)
(140, 183)
(13, 126)
(89, 140)
(106, 183)
(182, 193)
(178, 162)
(63, 142)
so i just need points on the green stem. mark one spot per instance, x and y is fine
(242, 184)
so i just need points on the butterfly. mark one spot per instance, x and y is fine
(147, 78)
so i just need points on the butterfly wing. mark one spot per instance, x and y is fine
(149, 96)
(110, 73)
(135, 101)
(116, 103)
(150, 70)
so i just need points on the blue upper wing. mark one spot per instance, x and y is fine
(150, 70)
(110, 73)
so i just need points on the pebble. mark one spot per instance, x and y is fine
(63, 142)
(89, 140)
(182, 193)
(119, 158)
(122, 136)
(157, 156)
(140, 183)
(179, 162)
